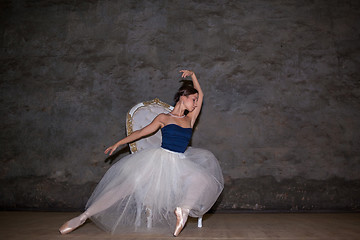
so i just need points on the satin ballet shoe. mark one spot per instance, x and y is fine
(72, 224)
(181, 218)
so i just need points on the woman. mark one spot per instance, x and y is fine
(145, 188)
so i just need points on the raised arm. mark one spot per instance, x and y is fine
(194, 114)
(151, 128)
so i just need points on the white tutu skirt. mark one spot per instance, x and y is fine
(149, 185)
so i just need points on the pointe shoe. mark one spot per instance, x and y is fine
(181, 217)
(72, 224)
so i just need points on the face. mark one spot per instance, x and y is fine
(190, 102)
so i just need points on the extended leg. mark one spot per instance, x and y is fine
(104, 202)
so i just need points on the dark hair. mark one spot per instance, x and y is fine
(185, 90)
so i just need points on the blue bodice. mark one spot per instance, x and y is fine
(175, 138)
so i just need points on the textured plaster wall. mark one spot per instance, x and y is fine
(281, 110)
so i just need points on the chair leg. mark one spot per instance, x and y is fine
(200, 222)
(148, 218)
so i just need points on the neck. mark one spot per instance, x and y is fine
(178, 110)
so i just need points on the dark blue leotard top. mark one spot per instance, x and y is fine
(175, 138)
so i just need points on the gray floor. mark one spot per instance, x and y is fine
(44, 225)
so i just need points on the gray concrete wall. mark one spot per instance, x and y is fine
(281, 110)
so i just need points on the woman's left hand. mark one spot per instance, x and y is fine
(111, 149)
(186, 73)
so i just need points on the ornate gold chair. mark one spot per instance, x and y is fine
(138, 117)
(141, 115)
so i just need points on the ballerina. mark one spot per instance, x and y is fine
(145, 189)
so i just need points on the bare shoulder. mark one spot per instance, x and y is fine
(162, 118)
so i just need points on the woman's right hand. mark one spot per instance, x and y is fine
(186, 73)
(111, 149)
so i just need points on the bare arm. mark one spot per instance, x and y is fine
(151, 128)
(194, 114)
